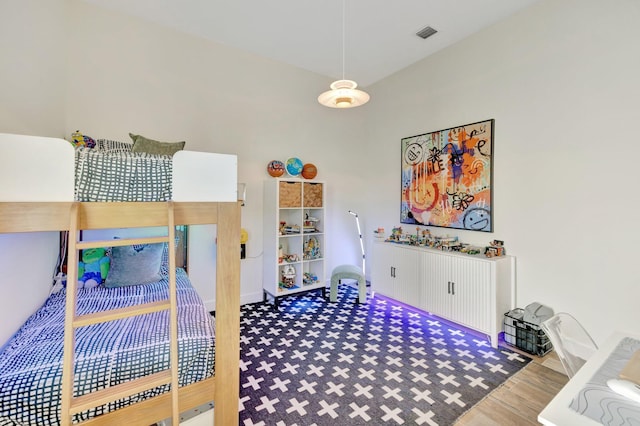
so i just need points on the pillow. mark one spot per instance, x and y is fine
(164, 260)
(107, 145)
(164, 264)
(142, 144)
(134, 265)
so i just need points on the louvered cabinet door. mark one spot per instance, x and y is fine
(471, 292)
(408, 275)
(437, 285)
(382, 269)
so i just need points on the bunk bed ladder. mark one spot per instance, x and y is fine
(70, 404)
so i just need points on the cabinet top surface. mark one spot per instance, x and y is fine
(449, 253)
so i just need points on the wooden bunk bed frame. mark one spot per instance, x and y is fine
(223, 388)
(22, 210)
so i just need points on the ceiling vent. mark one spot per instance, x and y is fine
(426, 32)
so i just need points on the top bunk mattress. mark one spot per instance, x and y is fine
(121, 175)
(107, 354)
(42, 169)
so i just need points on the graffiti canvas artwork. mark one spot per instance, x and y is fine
(446, 178)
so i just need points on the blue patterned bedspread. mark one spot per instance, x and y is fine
(107, 354)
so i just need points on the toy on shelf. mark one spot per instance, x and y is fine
(379, 233)
(310, 224)
(289, 258)
(470, 250)
(286, 229)
(311, 249)
(495, 249)
(309, 278)
(423, 238)
(288, 277)
(286, 257)
(447, 243)
(396, 234)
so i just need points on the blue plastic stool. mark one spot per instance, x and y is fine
(348, 272)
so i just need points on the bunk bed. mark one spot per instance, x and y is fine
(203, 191)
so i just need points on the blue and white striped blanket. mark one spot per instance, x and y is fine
(107, 354)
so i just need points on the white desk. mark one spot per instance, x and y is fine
(558, 412)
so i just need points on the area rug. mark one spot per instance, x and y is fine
(312, 362)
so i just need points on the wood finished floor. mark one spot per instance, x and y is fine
(519, 400)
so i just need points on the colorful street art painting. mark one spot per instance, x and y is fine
(446, 178)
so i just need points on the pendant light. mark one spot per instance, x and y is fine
(343, 93)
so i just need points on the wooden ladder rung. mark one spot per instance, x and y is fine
(71, 405)
(121, 242)
(113, 393)
(116, 314)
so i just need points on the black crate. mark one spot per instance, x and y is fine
(525, 335)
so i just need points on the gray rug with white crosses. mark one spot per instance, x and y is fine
(312, 362)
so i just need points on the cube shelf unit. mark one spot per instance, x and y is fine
(294, 241)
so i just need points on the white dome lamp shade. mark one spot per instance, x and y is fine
(343, 93)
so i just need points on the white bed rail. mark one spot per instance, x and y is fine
(34, 168)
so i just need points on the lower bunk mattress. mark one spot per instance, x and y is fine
(106, 354)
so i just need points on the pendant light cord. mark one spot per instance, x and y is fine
(344, 19)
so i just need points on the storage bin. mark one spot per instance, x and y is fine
(524, 335)
(290, 194)
(312, 194)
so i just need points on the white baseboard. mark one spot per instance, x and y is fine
(244, 299)
(251, 298)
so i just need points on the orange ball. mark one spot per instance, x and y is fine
(309, 171)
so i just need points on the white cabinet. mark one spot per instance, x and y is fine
(472, 291)
(293, 239)
(382, 270)
(460, 286)
(394, 271)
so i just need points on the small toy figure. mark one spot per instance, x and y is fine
(80, 140)
(396, 234)
(94, 267)
(77, 139)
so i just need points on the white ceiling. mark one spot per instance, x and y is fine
(379, 34)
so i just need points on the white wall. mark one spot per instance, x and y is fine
(561, 81)
(32, 40)
(139, 77)
(32, 69)
(126, 75)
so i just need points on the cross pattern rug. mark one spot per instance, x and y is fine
(312, 362)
